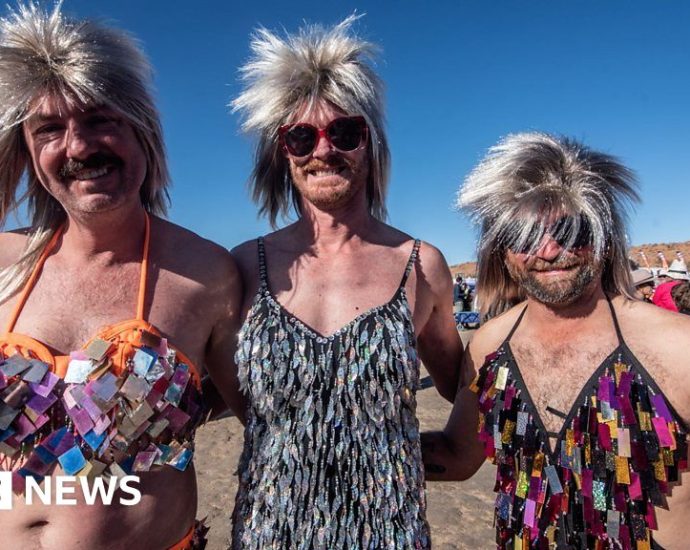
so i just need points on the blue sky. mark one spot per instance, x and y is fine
(459, 75)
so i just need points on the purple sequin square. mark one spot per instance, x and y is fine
(45, 386)
(661, 408)
(41, 404)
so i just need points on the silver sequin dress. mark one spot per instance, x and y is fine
(332, 454)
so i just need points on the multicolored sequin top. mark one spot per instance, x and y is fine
(123, 404)
(332, 455)
(620, 448)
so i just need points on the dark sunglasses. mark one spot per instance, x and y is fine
(568, 232)
(345, 134)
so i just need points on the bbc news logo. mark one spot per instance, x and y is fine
(62, 490)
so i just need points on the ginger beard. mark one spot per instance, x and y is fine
(332, 182)
(535, 275)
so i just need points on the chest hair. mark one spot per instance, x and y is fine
(555, 374)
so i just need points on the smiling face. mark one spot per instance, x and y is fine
(552, 274)
(327, 178)
(87, 157)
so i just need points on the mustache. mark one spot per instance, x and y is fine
(541, 265)
(97, 160)
(316, 165)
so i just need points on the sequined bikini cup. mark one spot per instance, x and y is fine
(123, 404)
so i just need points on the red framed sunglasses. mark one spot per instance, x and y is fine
(345, 134)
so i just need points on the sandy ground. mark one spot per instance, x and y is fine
(460, 513)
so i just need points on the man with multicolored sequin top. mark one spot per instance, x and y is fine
(100, 297)
(339, 307)
(583, 393)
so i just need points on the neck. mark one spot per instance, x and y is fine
(333, 229)
(118, 234)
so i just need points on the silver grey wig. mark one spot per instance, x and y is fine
(45, 53)
(525, 179)
(286, 74)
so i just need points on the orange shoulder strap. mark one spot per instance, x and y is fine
(141, 301)
(28, 287)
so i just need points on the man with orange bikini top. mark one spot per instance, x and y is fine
(110, 313)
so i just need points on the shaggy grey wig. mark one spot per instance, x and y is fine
(284, 75)
(43, 53)
(528, 179)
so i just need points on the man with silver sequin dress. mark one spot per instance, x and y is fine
(583, 391)
(339, 306)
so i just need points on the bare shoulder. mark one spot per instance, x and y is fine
(432, 262)
(647, 326)
(433, 274)
(246, 252)
(246, 258)
(210, 263)
(431, 269)
(660, 340)
(491, 334)
(12, 244)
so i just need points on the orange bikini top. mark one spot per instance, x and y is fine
(125, 401)
(124, 336)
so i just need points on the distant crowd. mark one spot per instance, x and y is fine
(668, 287)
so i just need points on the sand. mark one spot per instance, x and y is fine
(460, 513)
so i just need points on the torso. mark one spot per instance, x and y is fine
(326, 291)
(332, 428)
(71, 303)
(67, 306)
(569, 366)
(552, 379)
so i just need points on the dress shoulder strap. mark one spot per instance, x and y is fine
(515, 326)
(619, 333)
(28, 287)
(263, 274)
(411, 261)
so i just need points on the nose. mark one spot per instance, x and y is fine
(323, 147)
(79, 142)
(549, 249)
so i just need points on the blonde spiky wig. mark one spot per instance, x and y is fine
(528, 179)
(45, 53)
(286, 74)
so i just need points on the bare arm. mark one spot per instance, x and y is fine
(220, 351)
(455, 454)
(439, 344)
